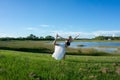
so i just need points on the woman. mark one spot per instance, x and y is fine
(59, 52)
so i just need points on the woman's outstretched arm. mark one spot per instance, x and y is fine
(60, 37)
(54, 42)
(77, 36)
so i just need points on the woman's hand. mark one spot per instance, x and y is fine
(57, 35)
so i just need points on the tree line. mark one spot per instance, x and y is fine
(49, 37)
(107, 38)
(30, 37)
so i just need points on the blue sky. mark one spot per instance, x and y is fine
(88, 18)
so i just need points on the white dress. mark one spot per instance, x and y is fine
(59, 51)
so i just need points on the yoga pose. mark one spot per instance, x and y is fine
(59, 52)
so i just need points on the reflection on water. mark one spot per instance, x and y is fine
(110, 50)
(96, 45)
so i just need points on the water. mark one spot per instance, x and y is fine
(109, 46)
(110, 50)
(96, 45)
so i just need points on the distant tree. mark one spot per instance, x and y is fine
(99, 38)
(106, 38)
(7, 38)
(116, 38)
(20, 38)
(41, 38)
(32, 37)
(49, 37)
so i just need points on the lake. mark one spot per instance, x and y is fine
(94, 44)
(100, 46)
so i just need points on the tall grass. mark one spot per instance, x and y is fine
(45, 47)
(28, 46)
(16, 65)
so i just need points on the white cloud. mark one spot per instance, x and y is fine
(44, 25)
(31, 28)
(64, 33)
(107, 33)
(86, 34)
(6, 35)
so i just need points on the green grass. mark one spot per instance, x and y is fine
(28, 46)
(44, 47)
(15, 65)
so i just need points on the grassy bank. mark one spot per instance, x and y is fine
(44, 47)
(16, 65)
(28, 46)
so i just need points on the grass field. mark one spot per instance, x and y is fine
(44, 47)
(15, 65)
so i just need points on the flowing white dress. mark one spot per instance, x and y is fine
(59, 51)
